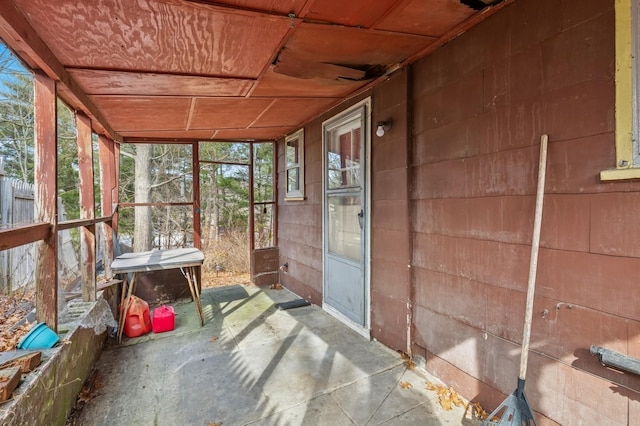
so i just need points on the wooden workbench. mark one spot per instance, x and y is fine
(185, 259)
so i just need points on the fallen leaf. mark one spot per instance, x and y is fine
(455, 398)
(477, 411)
(445, 403)
(447, 397)
(408, 362)
(213, 339)
(215, 424)
(276, 286)
(406, 385)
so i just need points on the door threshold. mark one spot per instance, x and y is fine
(364, 332)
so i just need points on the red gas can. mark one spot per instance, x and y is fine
(137, 321)
(164, 319)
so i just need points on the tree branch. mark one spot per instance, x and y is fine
(156, 185)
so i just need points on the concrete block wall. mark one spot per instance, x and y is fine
(480, 105)
(46, 396)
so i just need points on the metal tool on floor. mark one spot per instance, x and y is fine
(292, 304)
(515, 410)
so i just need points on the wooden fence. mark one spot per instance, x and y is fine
(17, 265)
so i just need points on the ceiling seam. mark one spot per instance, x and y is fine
(264, 111)
(192, 108)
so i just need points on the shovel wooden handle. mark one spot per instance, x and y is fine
(533, 263)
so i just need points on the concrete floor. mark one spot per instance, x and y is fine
(254, 364)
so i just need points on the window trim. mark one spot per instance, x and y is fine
(297, 195)
(627, 29)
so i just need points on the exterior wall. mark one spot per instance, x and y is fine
(390, 258)
(476, 110)
(300, 222)
(480, 105)
(264, 266)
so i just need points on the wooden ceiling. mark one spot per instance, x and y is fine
(224, 70)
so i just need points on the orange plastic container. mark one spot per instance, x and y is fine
(164, 319)
(137, 321)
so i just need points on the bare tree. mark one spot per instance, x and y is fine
(143, 238)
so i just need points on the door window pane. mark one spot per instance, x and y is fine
(343, 156)
(344, 226)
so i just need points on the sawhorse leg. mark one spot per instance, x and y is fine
(189, 274)
(125, 300)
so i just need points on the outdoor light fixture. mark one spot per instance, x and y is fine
(383, 126)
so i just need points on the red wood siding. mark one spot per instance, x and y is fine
(481, 104)
(390, 255)
(452, 194)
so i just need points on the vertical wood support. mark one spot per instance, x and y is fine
(274, 180)
(107, 177)
(115, 194)
(87, 208)
(46, 200)
(195, 154)
(252, 231)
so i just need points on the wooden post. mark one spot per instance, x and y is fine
(107, 173)
(46, 200)
(252, 237)
(87, 208)
(274, 180)
(252, 232)
(197, 222)
(115, 194)
(195, 153)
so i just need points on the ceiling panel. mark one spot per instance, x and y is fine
(354, 47)
(235, 69)
(290, 112)
(99, 82)
(276, 85)
(144, 113)
(352, 12)
(226, 113)
(160, 36)
(426, 17)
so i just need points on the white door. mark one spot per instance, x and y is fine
(345, 142)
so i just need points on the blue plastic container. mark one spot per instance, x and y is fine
(40, 337)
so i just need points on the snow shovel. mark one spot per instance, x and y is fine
(515, 410)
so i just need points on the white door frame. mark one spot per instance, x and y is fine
(365, 107)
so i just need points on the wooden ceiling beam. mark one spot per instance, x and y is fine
(144, 139)
(20, 36)
(241, 9)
